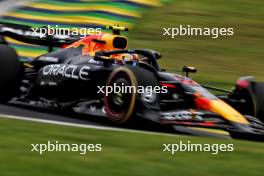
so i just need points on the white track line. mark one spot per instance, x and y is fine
(81, 125)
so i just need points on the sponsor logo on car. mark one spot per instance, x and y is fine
(182, 115)
(67, 71)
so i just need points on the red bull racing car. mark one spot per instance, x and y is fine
(81, 77)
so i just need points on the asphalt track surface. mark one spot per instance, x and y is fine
(140, 125)
(31, 113)
(27, 111)
(21, 110)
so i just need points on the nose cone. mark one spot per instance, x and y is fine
(221, 108)
(226, 111)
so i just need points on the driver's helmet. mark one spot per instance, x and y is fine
(126, 57)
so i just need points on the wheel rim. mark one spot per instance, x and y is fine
(123, 103)
(119, 101)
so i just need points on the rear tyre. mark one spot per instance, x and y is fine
(10, 71)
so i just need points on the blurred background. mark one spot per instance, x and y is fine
(219, 62)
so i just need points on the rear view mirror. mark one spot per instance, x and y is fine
(188, 69)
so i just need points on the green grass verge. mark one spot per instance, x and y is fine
(219, 61)
(124, 153)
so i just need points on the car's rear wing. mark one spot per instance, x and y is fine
(30, 35)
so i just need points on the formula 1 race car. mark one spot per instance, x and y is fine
(81, 77)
